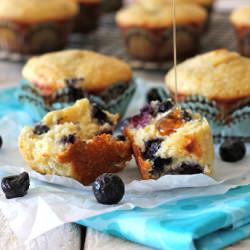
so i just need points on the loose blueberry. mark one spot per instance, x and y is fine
(108, 189)
(15, 186)
(232, 150)
(186, 116)
(68, 139)
(1, 141)
(187, 168)
(151, 148)
(100, 115)
(41, 129)
(153, 95)
(165, 106)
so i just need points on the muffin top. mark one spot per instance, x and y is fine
(241, 16)
(157, 16)
(220, 75)
(204, 3)
(37, 10)
(95, 71)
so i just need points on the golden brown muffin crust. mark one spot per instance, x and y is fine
(219, 75)
(155, 16)
(29, 11)
(103, 154)
(97, 71)
(241, 16)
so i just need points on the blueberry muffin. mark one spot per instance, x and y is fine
(240, 18)
(88, 18)
(221, 76)
(34, 26)
(66, 76)
(111, 5)
(169, 140)
(148, 30)
(76, 142)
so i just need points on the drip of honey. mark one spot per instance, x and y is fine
(175, 52)
(169, 124)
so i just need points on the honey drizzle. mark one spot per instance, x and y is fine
(175, 52)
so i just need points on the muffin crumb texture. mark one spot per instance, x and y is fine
(73, 143)
(172, 141)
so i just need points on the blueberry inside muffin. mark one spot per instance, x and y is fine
(74, 142)
(167, 139)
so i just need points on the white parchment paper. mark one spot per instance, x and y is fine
(53, 200)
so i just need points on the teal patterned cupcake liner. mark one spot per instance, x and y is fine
(236, 125)
(36, 105)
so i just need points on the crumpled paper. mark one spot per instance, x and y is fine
(53, 200)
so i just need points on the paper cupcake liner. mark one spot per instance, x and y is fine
(35, 105)
(234, 126)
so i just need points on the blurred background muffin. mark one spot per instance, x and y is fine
(35, 26)
(88, 17)
(111, 5)
(206, 4)
(63, 77)
(147, 29)
(240, 18)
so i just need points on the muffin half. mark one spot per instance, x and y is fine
(148, 30)
(169, 140)
(66, 76)
(76, 142)
(240, 18)
(32, 27)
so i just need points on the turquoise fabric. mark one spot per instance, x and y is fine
(204, 223)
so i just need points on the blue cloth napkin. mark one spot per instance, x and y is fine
(206, 223)
(203, 223)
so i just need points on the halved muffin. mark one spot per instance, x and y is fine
(66, 76)
(147, 29)
(34, 26)
(169, 140)
(240, 18)
(76, 142)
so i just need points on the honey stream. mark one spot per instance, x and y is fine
(175, 53)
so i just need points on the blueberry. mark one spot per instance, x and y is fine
(186, 116)
(232, 150)
(40, 129)
(100, 115)
(108, 189)
(187, 168)
(151, 148)
(121, 138)
(71, 82)
(153, 95)
(165, 106)
(15, 186)
(159, 164)
(68, 139)
(1, 141)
